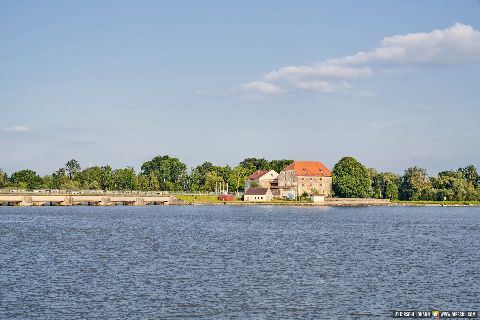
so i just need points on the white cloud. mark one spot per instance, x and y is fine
(458, 44)
(17, 129)
(317, 71)
(262, 87)
(319, 86)
(323, 86)
(254, 90)
(454, 45)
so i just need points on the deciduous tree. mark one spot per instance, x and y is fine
(26, 178)
(171, 172)
(125, 179)
(72, 167)
(415, 184)
(351, 179)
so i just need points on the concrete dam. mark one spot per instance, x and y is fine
(106, 199)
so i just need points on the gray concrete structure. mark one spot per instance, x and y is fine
(35, 199)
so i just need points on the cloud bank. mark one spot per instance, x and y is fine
(458, 44)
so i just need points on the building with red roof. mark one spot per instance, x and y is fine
(310, 177)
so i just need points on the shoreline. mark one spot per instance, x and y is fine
(316, 205)
(306, 204)
(113, 199)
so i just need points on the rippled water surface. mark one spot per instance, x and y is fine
(245, 262)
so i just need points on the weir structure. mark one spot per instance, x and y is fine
(105, 199)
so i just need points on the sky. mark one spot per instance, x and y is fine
(391, 83)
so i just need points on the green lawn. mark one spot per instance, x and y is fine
(201, 199)
(204, 199)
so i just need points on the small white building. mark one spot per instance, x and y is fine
(318, 198)
(258, 194)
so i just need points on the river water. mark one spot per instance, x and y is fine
(236, 262)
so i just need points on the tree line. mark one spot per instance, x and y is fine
(161, 173)
(351, 179)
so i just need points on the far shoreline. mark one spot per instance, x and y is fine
(351, 205)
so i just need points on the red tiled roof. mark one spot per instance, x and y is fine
(256, 192)
(257, 174)
(309, 168)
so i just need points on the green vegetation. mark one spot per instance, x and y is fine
(170, 173)
(163, 173)
(199, 199)
(26, 179)
(350, 179)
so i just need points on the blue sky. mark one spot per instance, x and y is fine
(392, 83)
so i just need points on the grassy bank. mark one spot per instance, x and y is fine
(199, 199)
(205, 199)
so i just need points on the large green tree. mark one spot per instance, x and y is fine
(470, 174)
(106, 177)
(125, 179)
(237, 178)
(90, 178)
(452, 186)
(149, 182)
(198, 176)
(26, 179)
(170, 172)
(351, 179)
(213, 181)
(59, 179)
(385, 185)
(415, 185)
(72, 167)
